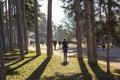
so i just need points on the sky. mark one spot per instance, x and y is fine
(57, 11)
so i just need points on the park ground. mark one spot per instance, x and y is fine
(43, 68)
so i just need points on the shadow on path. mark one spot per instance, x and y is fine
(38, 72)
(85, 73)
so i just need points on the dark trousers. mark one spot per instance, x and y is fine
(65, 53)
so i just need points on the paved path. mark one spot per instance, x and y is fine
(114, 54)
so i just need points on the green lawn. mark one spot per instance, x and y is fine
(43, 68)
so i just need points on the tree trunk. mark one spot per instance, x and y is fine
(108, 54)
(25, 27)
(109, 25)
(37, 42)
(14, 23)
(10, 26)
(3, 34)
(94, 33)
(49, 30)
(20, 29)
(89, 31)
(78, 28)
(7, 29)
(2, 67)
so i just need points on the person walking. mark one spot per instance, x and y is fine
(103, 45)
(65, 49)
(59, 44)
(54, 44)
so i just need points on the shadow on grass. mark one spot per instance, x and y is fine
(64, 63)
(38, 72)
(10, 73)
(59, 76)
(11, 56)
(17, 59)
(112, 59)
(12, 53)
(117, 71)
(9, 70)
(10, 59)
(85, 73)
(14, 63)
(30, 51)
(100, 74)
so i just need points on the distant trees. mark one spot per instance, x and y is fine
(14, 29)
(102, 20)
(68, 24)
(15, 15)
(99, 15)
(18, 17)
(42, 28)
(78, 10)
(61, 32)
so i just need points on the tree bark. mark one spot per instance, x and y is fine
(7, 29)
(20, 29)
(94, 32)
(2, 67)
(37, 42)
(10, 26)
(78, 29)
(14, 24)
(49, 30)
(108, 54)
(89, 31)
(2, 24)
(25, 27)
(109, 25)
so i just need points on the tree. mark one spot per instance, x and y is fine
(49, 30)
(109, 34)
(7, 29)
(10, 25)
(94, 32)
(20, 29)
(69, 24)
(29, 10)
(38, 52)
(24, 26)
(89, 30)
(42, 28)
(78, 28)
(2, 28)
(2, 67)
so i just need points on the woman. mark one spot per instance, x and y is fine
(65, 49)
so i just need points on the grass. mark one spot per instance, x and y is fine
(43, 68)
